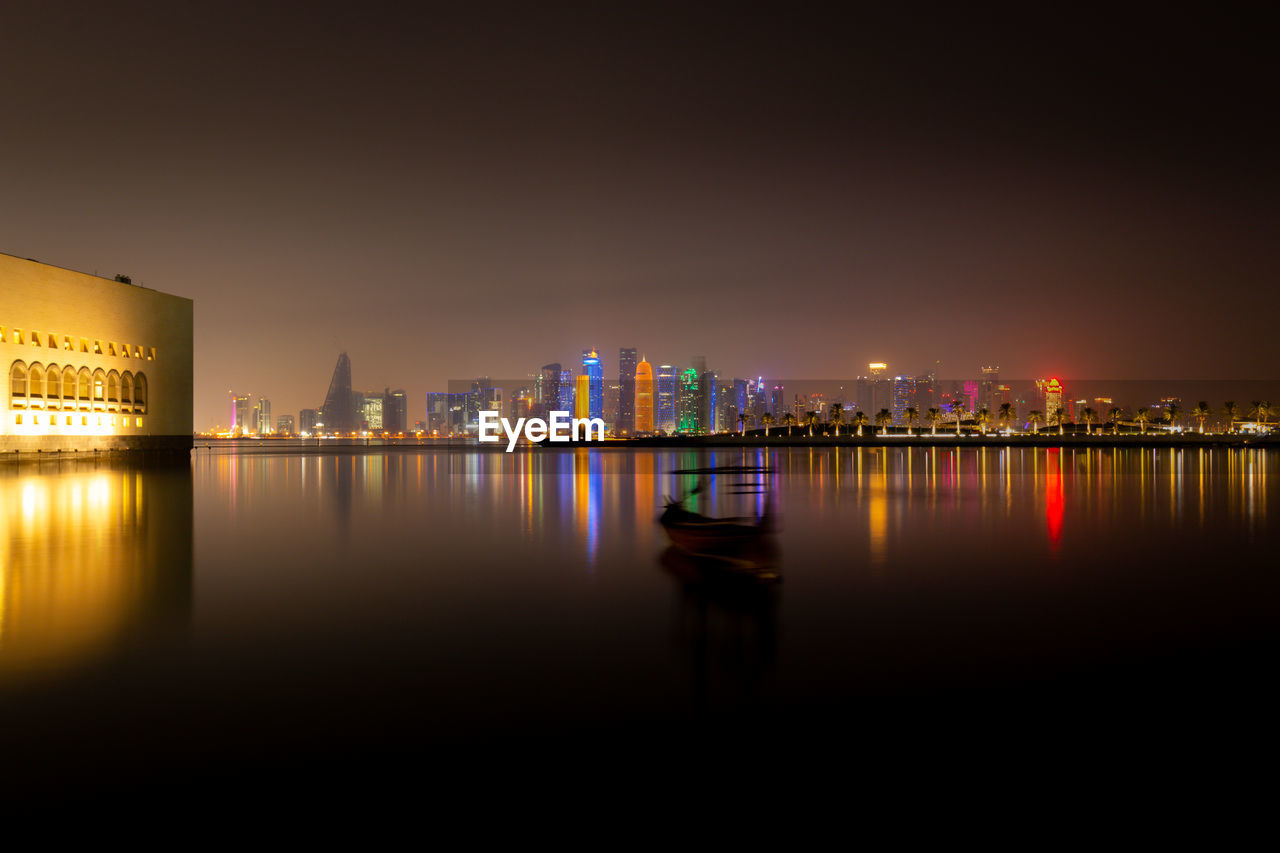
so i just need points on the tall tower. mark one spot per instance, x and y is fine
(338, 413)
(644, 397)
(549, 401)
(690, 402)
(666, 409)
(582, 397)
(626, 422)
(593, 369)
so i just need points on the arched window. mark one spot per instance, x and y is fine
(18, 381)
(68, 388)
(99, 386)
(35, 384)
(85, 384)
(113, 390)
(126, 391)
(53, 386)
(140, 393)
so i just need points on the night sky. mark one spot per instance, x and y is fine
(447, 193)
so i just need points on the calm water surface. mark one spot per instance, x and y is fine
(311, 611)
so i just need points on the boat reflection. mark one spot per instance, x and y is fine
(91, 555)
(728, 620)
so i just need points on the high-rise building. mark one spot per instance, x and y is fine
(547, 391)
(644, 397)
(241, 413)
(338, 412)
(395, 410)
(593, 369)
(689, 404)
(778, 402)
(582, 396)
(707, 402)
(626, 421)
(668, 391)
(611, 404)
(438, 413)
(988, 387)
(903, 398)
(307, 419)
(262, 424)
(372, 413)
(1050, 393)
(284, 425)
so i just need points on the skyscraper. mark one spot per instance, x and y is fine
(240, 413)
(395, 410)
(690, 402)
(338, 413)
(547, 392)
(667, 392)
(707, 402)
(593, 369)
(262, 424)
(582, 396)
(903, 397)
(566, 391)
(307, 421)
(626, 422)
(644, 397)
(373, 412)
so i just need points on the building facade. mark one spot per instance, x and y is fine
(644, 397)
(93, 364)
(626, 421)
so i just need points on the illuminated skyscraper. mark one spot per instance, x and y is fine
(262, 424)
(395, 410)
(307, 421)
(547, 391)
(593, 369)
(707, 402)
(566, 391)
(644, 397)
(1051, 396)
(241, 413)
(626, 422)
(690, 402)
(582, 396)
(373, 412)
(903, 397)
(667, 393)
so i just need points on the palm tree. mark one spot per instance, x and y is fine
(934, 416)
(767, 420)
(1114, 414)
(788, 421)
(1231, 412)
(859, 420)
(837, 415)
(1055, 417)
(1088, 416)
(742, 424)
(983, 417)
(1034, 417)
(883, 418)
(1260, 412)
(1201, 414)
(957, 409)
(1172, 414)
(910, 414)
(1142, 416)
(810, 418)
(1007, 414)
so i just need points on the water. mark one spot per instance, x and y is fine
(301, 613)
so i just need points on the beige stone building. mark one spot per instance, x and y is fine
(91, 364)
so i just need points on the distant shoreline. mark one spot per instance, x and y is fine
(1182, 441)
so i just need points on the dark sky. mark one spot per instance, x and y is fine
(449, 192)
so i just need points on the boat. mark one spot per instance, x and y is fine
(736, 542)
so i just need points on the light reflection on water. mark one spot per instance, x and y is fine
(458, 591)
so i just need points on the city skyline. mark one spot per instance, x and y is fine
(1069, 199)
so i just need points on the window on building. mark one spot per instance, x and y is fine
(18, 380)
(97, 347)
(35, 339)
(66, 343)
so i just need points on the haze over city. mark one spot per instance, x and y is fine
(453, 193)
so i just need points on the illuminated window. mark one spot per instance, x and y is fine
(17, 419)
(124, 350)
(53, 341)
(97, 347)
(66, 343)
(35, 384)
(113, 391)
(2, 330)
(84, 420)
(35, 339)
(139, 424)
(111, 348)
(140, 393)
(137, 351)
(68, 387)
(151, 354)
(68, 420)
(84, 345)
(99, 420)
(99, 386)
(53, 386)
(18, 380)
(85, 384)
(35, 419)
(113, 420)
(17, 336)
